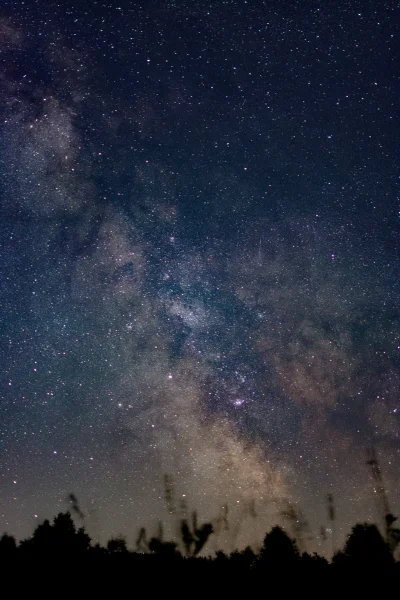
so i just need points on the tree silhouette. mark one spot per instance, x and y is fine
(244, 559)
(59, 539)
(313, 564)
(42, 540)
(63, 533)
(8, 546)
(61, 544)
(82, 540)
(366, 547)
(279, 550)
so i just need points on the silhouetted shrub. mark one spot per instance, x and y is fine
(278, 550)
(117, 544)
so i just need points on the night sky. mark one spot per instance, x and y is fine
(199, 233)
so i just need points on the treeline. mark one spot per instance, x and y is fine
(61, 543)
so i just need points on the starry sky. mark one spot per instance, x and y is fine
(199, 233)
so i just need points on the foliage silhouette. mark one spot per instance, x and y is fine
(278, 550)
(117, 544)
(60, 544)
(58, 539)
(244, 560)
(8, 546)
(365, 547)
(314, 564)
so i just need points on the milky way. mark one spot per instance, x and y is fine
(199, 265)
